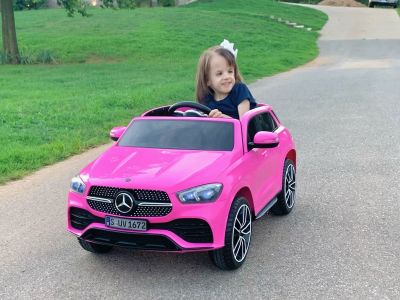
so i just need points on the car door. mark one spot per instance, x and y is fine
(265, 162)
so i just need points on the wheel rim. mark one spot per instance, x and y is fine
(241, 233)
(290, 186)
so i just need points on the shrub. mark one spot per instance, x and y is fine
(46, 57)
(166, 2)
(140, 3)
(26, 58)
(126, 3)
(119, 3)
(28, 4)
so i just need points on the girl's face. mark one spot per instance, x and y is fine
(221, 77)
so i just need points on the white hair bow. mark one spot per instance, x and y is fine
(229, 46)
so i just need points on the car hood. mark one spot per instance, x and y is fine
(157, 168)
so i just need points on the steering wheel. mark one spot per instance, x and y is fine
(190, 113)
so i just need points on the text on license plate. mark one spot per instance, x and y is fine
(128, 224)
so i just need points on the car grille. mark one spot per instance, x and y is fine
(140, 195)
(148, 203)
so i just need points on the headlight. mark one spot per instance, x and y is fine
(201, 194)
(77, 185)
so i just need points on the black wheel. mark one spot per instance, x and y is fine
(287, 196)
(93, 247)
(237, 237)
(371, 4)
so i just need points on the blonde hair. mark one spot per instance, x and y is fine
(203, 70)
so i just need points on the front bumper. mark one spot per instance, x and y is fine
(138, 241)
(191, 230)
(186, 228)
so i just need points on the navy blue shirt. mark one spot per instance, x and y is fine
(229, 105)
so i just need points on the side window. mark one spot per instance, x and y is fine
(261, 122)
(253, 128)
(274, 115)
(268, 122)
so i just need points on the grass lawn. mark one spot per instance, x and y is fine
(118, 63)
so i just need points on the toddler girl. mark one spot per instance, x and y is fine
(219, 83)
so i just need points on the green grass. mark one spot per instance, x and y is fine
(116, 64)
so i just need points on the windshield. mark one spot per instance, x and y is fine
(179, 134)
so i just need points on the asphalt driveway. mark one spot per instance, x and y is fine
(341, 240)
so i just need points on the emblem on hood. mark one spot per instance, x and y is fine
(124, 202)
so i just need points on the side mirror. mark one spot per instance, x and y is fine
(265, 139)
(116, 132)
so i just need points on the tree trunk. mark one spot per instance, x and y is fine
(9, 34)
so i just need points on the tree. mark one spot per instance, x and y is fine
(10, 45)
(9, 34)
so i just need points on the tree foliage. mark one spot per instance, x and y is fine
(28, 4)
(79, 6)
(74, 6)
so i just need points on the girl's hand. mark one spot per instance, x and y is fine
(215, 113)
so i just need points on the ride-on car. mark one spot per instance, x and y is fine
(177, 180)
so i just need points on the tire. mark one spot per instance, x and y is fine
(237, 237)
(93, 247)
(371, 4)
(287, 197)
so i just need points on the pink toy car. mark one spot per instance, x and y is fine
(178, 181)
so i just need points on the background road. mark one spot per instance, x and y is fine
(341, 240)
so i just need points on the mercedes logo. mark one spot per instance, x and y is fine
(124, 202)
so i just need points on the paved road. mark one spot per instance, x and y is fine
(342, 239)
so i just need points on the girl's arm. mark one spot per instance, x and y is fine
(215, 113)
(243, 107)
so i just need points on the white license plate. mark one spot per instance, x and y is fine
(128, 224)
